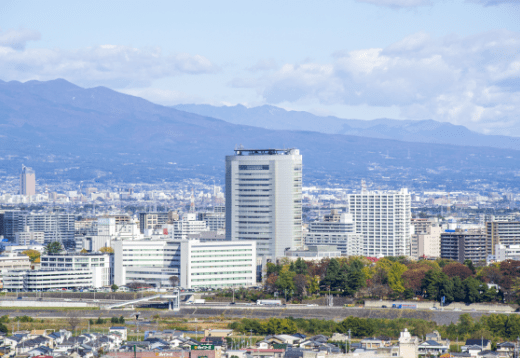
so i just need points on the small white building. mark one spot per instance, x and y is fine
(104, 261)
(121, 331)
(12, 261)
(313, 253)
(42, 280)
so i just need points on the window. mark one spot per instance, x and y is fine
(253, 167)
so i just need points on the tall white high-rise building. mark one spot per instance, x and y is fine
(27, 181)
(264, 199)
(383, 218)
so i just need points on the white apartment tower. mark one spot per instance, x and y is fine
(383, 218)
(27, 181)
(264, 199)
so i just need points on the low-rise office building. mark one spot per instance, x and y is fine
(313, 253)
(42, 280)
(194, 263)
(13, 261)
(81, 261)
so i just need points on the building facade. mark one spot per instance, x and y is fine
(462, 245)
(194, 263)
(503, 233)
(218, 264)
(81, 262)
(55, 226)
(182, 229)
(153, 221)
(13, 261)
(27, 237)
(41, 280)
(383, 218)
(27, 181)
(336, 229)
(426, 239)
(264, 199)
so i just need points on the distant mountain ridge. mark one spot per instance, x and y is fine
(96, 134)
(421, 131)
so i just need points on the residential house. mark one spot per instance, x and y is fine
(123, 331)
(484, 344)
(431, 347)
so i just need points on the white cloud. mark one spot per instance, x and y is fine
(264, 65)
(109, 65)
(473, 81)
(17, 39)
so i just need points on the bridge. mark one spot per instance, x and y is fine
(174, 300)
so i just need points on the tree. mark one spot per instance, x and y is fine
(270, 283)
(114, 287)
(395, 279)
(107, 250)
(456, 269)
(469, 263)
(431, 284)
(490, 274)
(412, 278)
(472, 290)
(74, 321)
(314, 284)
(332, 275)
(53, 247)
(285, 280)
(300, 283)
(83, 251)
(34, 255)
(3, 328)
(174, 280)
(121, 320)
(300, 267)
(459, 290)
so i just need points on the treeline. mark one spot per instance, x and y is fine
(395, 278)
(495, 327)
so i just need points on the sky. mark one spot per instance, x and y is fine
(455, 61)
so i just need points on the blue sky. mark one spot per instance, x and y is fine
(455, 61)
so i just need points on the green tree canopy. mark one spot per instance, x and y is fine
(53, 247)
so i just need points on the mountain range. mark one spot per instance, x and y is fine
(96, 134)
(421, 131)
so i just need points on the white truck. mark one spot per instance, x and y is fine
(269, 302)
(199, 301)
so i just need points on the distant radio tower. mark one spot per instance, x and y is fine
(363, 186)
(192, 202)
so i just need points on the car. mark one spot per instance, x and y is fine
(231, 303)
(95, 300)
(312, 305)
(67, 300)
(383, 306)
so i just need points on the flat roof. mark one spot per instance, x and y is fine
(271, 151)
